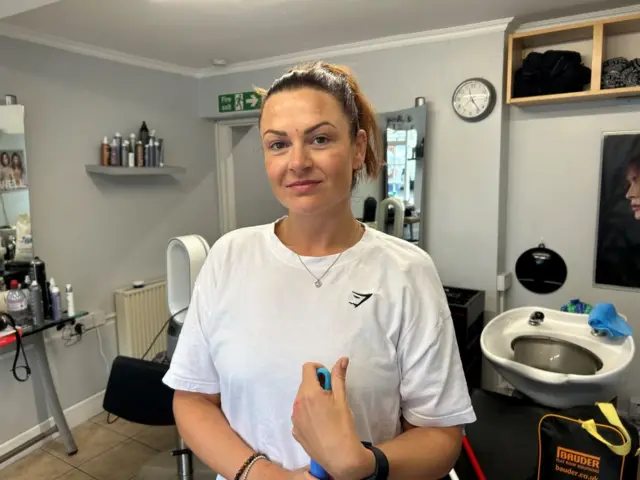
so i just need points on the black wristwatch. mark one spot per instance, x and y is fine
(382, 464)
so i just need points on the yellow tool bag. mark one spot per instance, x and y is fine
(587, 443)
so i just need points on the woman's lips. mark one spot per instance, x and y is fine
(303, 186)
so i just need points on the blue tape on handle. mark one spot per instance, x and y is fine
(324, 377)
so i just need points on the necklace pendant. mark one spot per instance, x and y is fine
(318, 283)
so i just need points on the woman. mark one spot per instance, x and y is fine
(6, 173)
(633, 181)
(16, 169)
(274, 302)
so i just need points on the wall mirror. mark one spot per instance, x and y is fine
(16, 246)
(402, 179)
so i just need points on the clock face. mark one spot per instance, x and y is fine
(474, 99)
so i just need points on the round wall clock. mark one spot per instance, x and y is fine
(474, 99)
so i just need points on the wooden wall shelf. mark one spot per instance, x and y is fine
(596, 41)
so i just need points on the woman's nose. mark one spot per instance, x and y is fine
(299, 159)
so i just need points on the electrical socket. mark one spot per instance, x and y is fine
(92, 320)
(504, 281)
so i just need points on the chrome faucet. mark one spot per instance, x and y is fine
(536, 318)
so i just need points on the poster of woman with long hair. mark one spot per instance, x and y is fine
(618, 238)
(12, 170)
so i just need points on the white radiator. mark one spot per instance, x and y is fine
(141, 314)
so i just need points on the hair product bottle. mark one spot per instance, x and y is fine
(71, 308)
(56, 307)
(156, 154)
(143, 135)
(118, 139)
(124, 158)
(39, 275)
(139, 154)
(160, 152)
(115, 161)
(105, 154)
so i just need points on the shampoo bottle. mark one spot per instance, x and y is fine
(56, 307)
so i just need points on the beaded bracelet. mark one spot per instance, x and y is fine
(251, 464)
(241, 475)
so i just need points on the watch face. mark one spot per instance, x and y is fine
(474, 99)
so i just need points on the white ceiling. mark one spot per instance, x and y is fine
(189, 34)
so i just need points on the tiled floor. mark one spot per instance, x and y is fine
(105, 452)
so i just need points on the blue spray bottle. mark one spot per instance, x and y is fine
(324, 377)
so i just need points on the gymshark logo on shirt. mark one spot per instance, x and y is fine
(358, 299)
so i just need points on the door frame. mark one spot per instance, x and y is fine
(224, 168)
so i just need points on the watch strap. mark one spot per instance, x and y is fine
(382, 463)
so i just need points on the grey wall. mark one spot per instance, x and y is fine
(554, 175)
(462, 196)
(94, 233)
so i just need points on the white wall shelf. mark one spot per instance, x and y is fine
(134, 171)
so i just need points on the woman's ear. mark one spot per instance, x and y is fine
(361, 149)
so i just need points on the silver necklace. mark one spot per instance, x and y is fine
(318, 282)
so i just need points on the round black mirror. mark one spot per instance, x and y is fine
(541, 270)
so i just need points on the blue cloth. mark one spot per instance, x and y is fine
(604, 317)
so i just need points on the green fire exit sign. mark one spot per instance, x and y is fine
(239, 102)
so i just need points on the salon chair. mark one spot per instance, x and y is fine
(135, 391)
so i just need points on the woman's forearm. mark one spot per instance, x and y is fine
(418, 453)
(423, 453)
(208, 434)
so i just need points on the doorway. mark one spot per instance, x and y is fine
(244, 193)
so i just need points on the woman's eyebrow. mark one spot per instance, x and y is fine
(306, 132)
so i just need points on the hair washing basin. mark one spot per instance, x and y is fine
(554, 358)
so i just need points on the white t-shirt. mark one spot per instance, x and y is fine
(256, 317)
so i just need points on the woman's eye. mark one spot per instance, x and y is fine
(276, 145)
(321, 140)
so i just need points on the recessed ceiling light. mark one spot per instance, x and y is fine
(219, 62)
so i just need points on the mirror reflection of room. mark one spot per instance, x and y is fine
(16, 242)
(399, 189)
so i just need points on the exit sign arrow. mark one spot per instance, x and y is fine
(252, 101)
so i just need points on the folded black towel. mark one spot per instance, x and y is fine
(551, 72)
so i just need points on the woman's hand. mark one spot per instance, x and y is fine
(323, 425)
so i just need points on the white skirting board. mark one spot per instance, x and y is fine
(76, 415)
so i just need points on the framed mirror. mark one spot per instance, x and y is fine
(16, 243)
(402, 179)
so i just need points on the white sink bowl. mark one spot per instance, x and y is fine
(556, 390)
